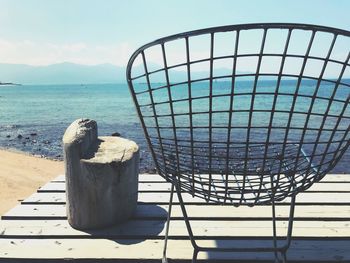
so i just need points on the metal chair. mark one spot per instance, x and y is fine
(265, 115)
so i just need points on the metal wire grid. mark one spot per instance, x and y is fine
(229, 138)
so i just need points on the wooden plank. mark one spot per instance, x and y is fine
(143, 187)
(53, 186)
(60, 178)
(138, 250)
(330, 187)
(328, 178)
(36, 211)
(157, 178)
(336, 178)
(166, 187)
(309, 198)
(150, 211)
(302, 198)
(142, 177)
(156, 229)
(58, 198)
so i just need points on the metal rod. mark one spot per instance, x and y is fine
(164, 260)
(184, 212)
(211, 110)
(230, 114)
(190, 109)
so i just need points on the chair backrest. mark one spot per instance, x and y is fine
(245, 113)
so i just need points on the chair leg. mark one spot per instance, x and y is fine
(274, 230)
(164, 259)
(290, 222)
(276, 249)
(284, 257)
(187, 221)
(195, 254)
(290, 229)
(288, 239)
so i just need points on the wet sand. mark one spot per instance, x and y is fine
(22, 174)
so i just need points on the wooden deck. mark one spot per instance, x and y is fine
(37, 229)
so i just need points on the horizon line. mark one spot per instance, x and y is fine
(58, 63)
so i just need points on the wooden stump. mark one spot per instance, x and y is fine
(101, 176)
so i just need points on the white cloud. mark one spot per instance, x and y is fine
(35, 53)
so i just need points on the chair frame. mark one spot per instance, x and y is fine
(291, 175)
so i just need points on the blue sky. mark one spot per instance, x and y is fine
(41, 32)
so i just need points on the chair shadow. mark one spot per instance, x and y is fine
(147, 223)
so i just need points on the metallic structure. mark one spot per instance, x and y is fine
(264, 117)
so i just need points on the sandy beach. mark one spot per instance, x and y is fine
(22, 174)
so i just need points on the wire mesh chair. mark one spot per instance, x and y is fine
(244, 114)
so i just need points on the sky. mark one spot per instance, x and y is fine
(42, 32)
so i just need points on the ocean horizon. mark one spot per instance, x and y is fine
(35, 117)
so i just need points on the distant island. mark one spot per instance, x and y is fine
(71, 73)
(9, 83)
(61, 74)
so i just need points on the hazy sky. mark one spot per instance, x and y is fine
(41, 32)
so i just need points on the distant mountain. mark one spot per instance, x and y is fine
(62, 73)
(70, 73)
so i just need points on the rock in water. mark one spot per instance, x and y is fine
(101, 176)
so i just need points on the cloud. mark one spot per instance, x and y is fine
(35, 53)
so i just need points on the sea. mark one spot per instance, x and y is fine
(33, 118)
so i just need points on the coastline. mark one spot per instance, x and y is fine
(21, 174)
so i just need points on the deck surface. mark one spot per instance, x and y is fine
(37, 229)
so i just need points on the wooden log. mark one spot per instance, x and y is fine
(101, 176)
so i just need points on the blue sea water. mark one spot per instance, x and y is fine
(40, 114)
(33, 118)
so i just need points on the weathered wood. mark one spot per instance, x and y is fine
(142, 178)
(36, 211)
(61, 178)
(329, 178)
(101, 176)
(321, 228)
(147, 211)
(156, 228)
(57, 187)
(122, 249)
(307, 198)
